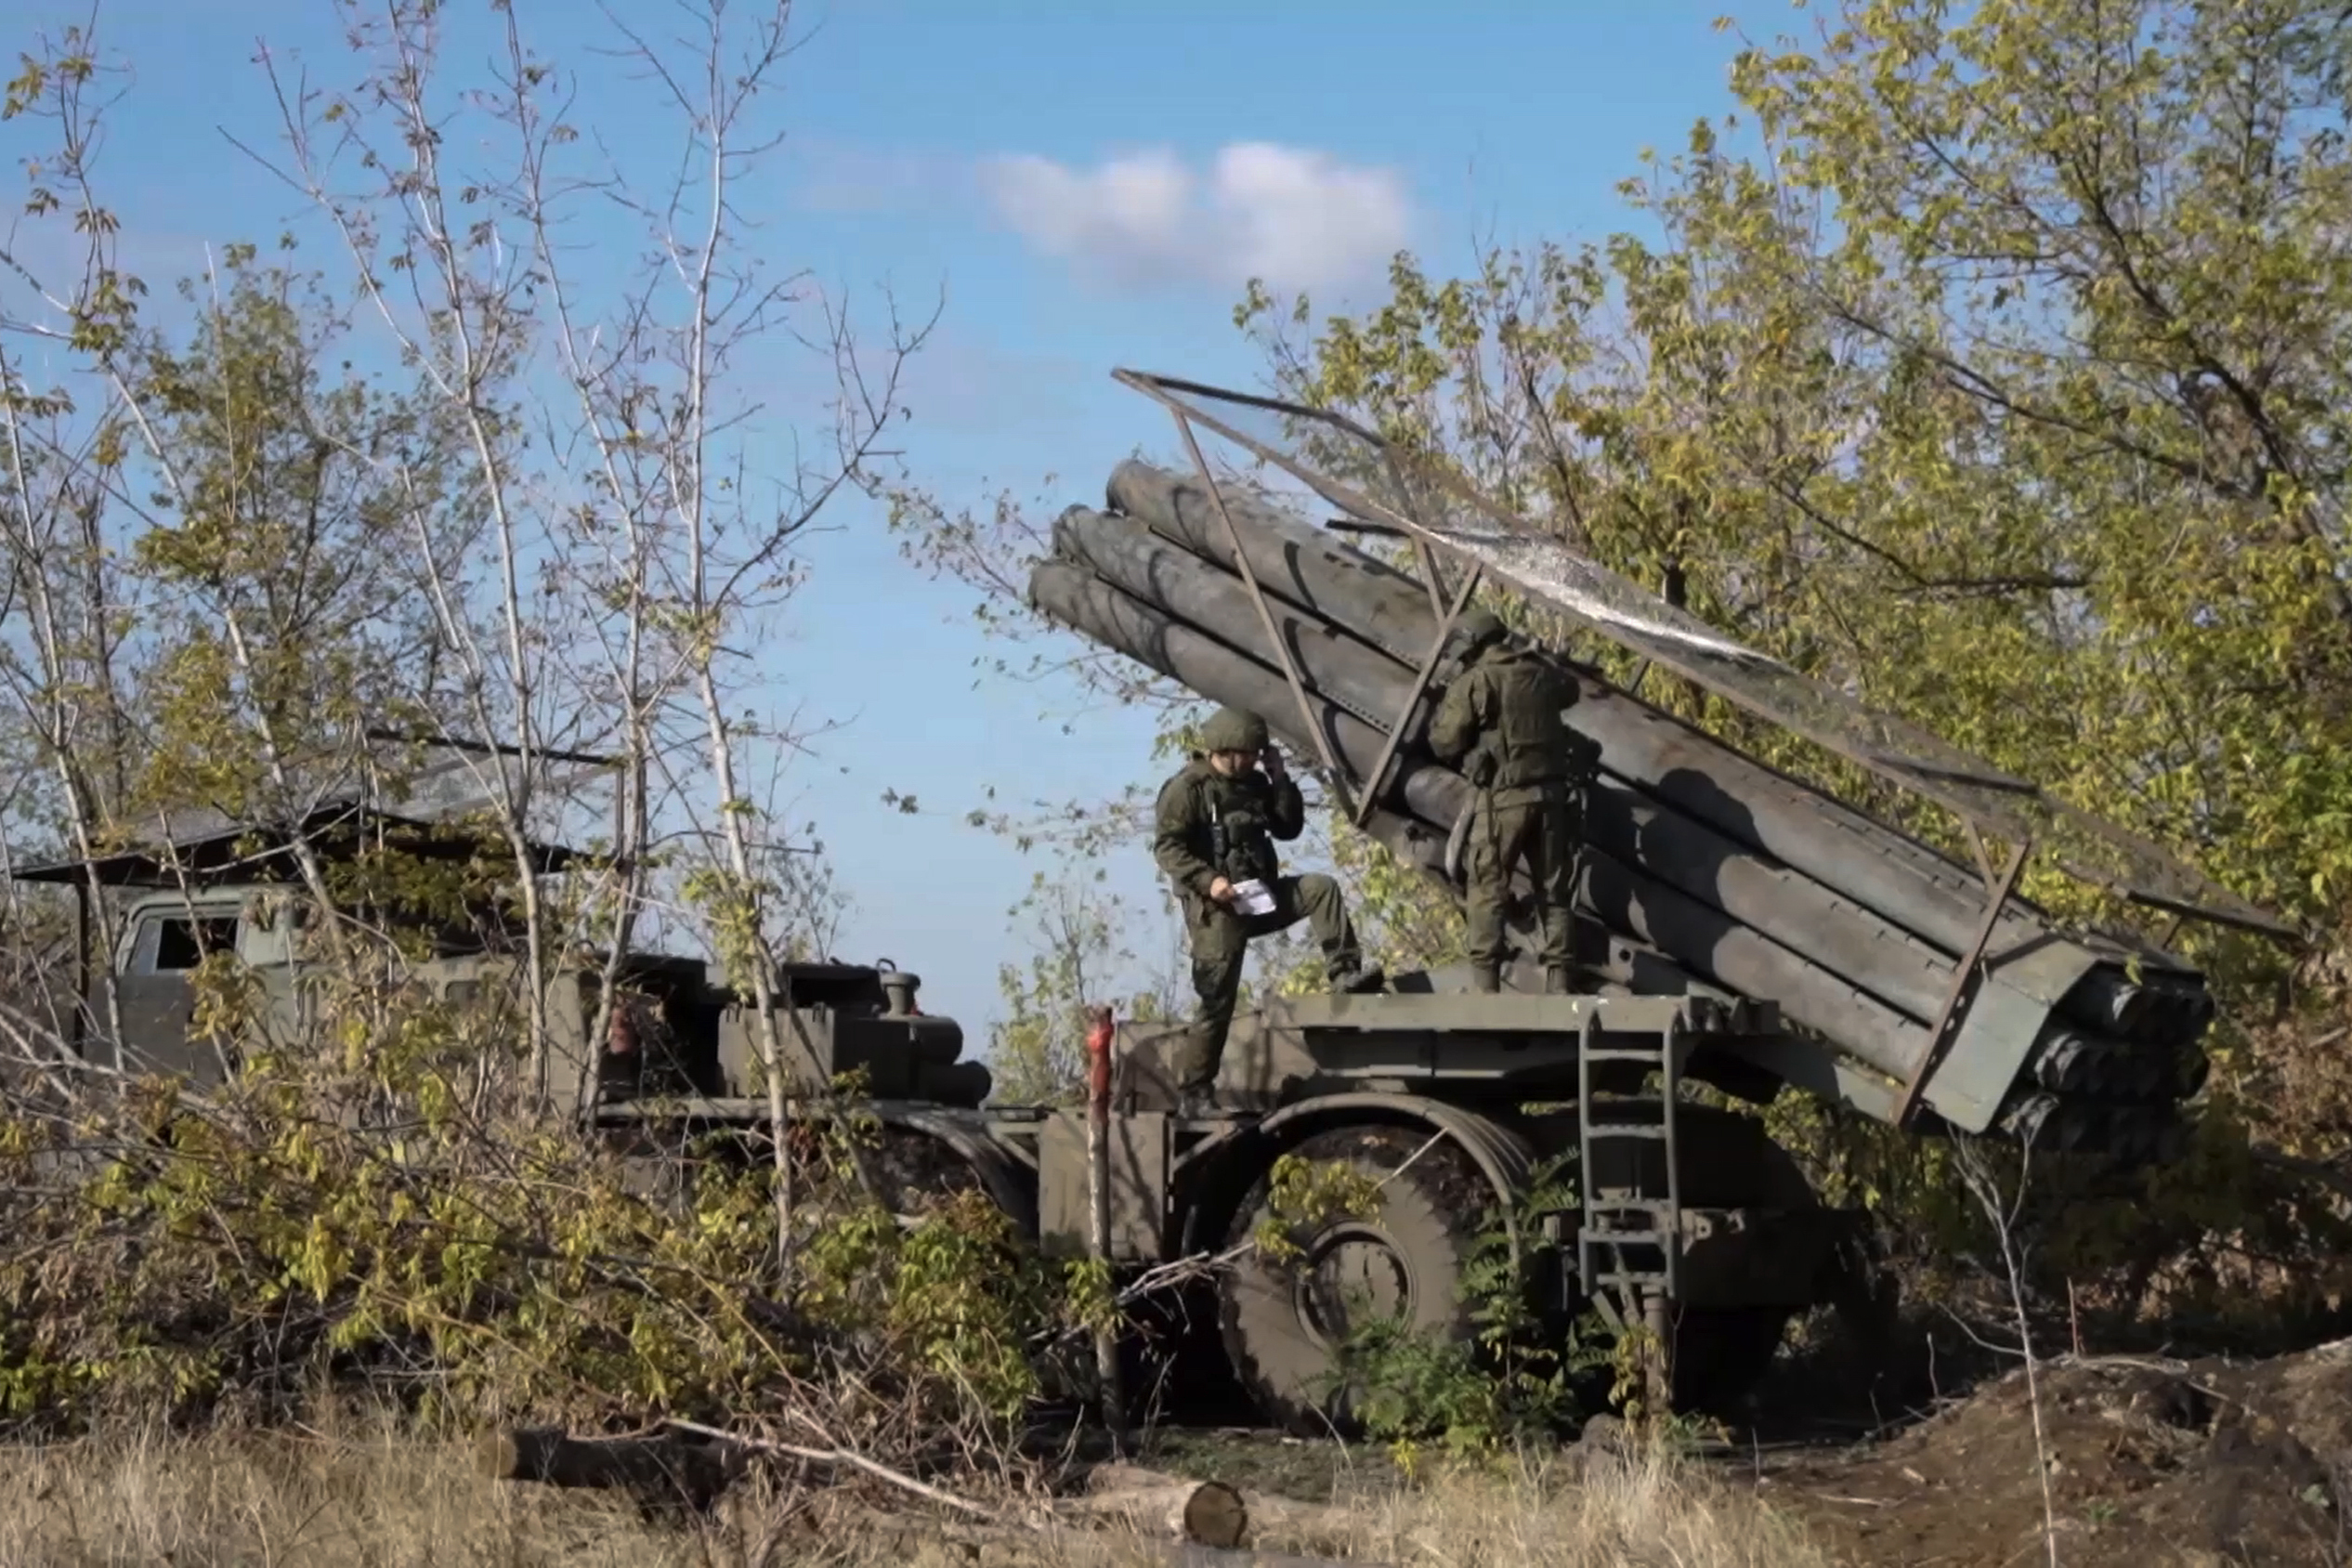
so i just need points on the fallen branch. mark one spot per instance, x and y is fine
(840, 1456)
(663, 1466)
(1185, 1523)
(1053, 1547)
(2326, 1175)
(1298, 1523)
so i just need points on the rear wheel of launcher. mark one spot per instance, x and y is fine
(1283, 1320)
(921, 1160)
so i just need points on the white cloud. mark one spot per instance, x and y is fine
(1298, 218)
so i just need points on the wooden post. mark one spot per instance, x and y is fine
(1098, 1162)
(1658, 1370)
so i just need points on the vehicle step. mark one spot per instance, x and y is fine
(1620, 1053)
(1626, 1130)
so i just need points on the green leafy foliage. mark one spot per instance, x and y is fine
(238, 543)
(1480, 1399)
(324, 1217)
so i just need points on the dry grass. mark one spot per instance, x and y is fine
(364, 1497)
(1631, 1513)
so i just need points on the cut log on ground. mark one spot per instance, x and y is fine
(1258, 1514)
(655, 1469)
(1207, 1513)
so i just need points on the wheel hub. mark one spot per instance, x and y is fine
(1352, 1275)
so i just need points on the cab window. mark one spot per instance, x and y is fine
(174, 943)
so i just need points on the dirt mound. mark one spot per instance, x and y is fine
(2149, 1463)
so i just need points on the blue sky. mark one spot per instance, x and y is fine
(977, 148)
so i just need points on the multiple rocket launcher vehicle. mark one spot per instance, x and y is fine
(1746, 930)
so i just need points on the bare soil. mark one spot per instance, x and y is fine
(2149, 1463)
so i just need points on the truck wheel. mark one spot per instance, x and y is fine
(1284, 1321)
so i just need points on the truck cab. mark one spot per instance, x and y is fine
(166, 938)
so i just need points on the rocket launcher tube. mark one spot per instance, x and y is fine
(1881, 868)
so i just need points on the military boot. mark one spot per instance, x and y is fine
(1560, 982)
(1485, 980)
(1354, 980)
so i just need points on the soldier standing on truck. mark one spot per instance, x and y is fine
(1500, 722)
(1217, 824)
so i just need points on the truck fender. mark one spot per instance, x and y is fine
(1000, 1174)
(1504, 1157)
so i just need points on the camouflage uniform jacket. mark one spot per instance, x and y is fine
(1501, 722)
(1210, 827)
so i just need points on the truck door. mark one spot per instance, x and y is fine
(269, 925)
(157, 997)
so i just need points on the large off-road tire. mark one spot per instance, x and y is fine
(1282, 1321)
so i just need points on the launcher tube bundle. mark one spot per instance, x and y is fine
(1707, 870)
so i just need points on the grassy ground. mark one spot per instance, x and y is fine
(370, 1497)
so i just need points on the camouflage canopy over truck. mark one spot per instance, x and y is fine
(1752, 932)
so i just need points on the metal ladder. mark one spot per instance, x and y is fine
(1623, 1221)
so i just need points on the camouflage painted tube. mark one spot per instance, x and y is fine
(1796, 911)
(1887, 872)
(1704, 941)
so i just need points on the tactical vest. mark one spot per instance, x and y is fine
(1528, 742)
(1241, 845)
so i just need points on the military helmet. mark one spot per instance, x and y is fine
(1234, 729)
(1481, 626)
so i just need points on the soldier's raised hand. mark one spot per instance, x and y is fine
(1270, 760)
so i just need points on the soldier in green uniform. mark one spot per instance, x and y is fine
(1500, 722)
(1218, 822)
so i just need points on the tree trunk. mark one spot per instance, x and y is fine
(920, 1542)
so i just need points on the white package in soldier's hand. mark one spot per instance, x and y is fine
(1253, 897)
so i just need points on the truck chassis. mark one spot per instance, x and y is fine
(1691, 1220)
